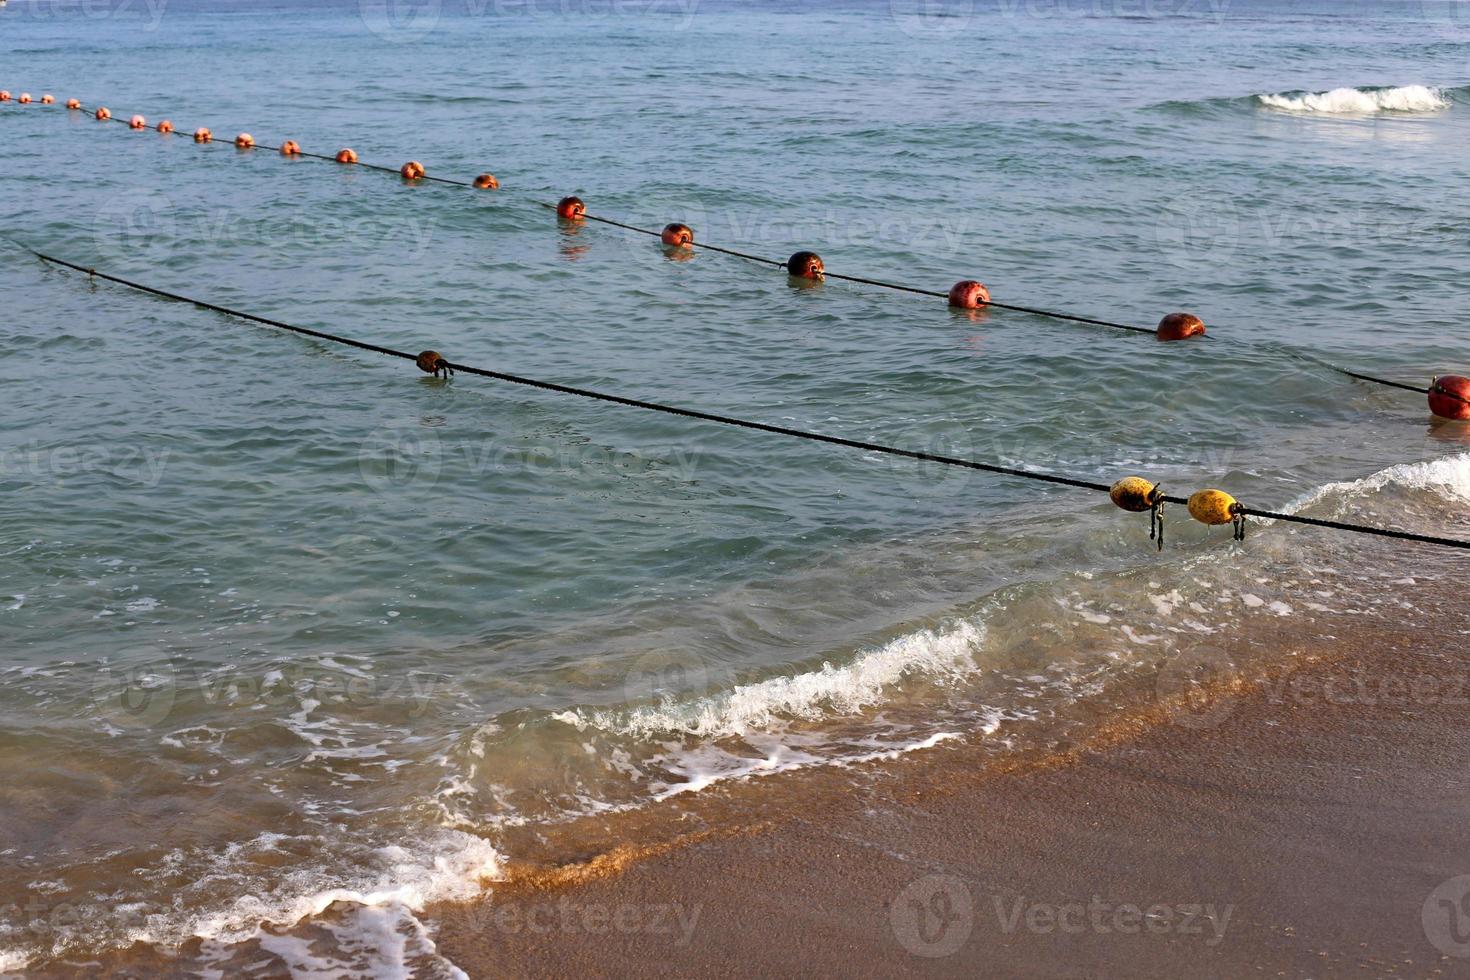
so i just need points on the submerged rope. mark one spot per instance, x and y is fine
(729, 420)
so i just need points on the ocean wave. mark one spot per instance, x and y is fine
(936, 655)
(1447, 478)
(1359, 101)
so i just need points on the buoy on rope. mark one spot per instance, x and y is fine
(1178, 326)
(1136, 495)
(244, 141)
(165, 126)
(412, 170)
(290, 148)
(47, 98)
(103, 114)
(4, 95)
(571, 209)
(1216, 507)
(806, 265)
(968, 294)
(346, 156)
(203, 135)
(137, 122)
(677, 234)
(25, 98)
(487, 182)
(1449, 397)
(72, 103)
(432, 362)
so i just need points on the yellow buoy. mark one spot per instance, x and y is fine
(1133, 493)
(1218, 507)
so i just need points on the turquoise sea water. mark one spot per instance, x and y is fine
(285, 623)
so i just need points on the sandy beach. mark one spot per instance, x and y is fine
(1299, 827)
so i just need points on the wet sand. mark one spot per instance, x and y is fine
(1294, 826)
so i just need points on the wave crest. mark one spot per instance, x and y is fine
(1359, 101)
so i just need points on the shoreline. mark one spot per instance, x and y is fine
(1292, 824)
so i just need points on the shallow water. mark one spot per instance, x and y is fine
(288, 624)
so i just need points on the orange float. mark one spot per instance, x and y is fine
(968, 294)
(806, 265)
(70, 103)
(47, 98)
(412, 170)
(290, 148)
(25, 98)
(165, 127)
(571, 209)
(103, 113)
(1179, 326)
(244, 141)
(1449, 397)
(432, 362)
(203, 135)
(346, 156)
(137, 122)
(487, 182)
(677, 234)
(4, 95)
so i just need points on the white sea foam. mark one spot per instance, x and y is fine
(749, 708)
(1447, 477)
(1343, 101)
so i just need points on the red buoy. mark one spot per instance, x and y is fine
(1449, 397)
(806, 265)
(412, 170)
(25, 98)
(1178, 326)
(137, 122)
(203, 135)
(4, 95)
(244, 141)
(103, 113)
(677, 234)
(968, 294)
(290, 148)
(487, 182)
(346, 156)
(571, 209)
(165, 127)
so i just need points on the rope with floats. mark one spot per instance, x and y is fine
(1211, 507)
(1448, 396)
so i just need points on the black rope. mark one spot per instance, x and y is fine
(729, 420)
